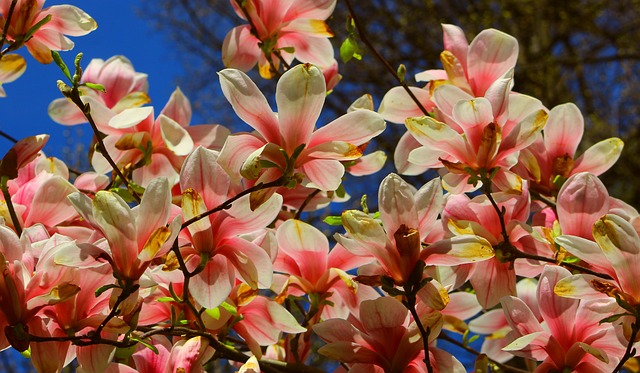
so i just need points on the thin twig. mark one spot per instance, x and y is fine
(12, 211)
(384, 62)
(227, 204)
(505, 367)
(630, 351)
(8, 137)
(7, 23)
(305, 203)
(86, 110)
(410, 294)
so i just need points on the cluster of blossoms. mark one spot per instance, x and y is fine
(186, 243)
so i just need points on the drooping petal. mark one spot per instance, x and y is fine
(493, 280)
(600, 157)
(309, 40)
(323, 174)
(397, 105)
(175, 137)
(356, 127)
(213, 285)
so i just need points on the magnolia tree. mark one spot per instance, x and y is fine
(187, 244)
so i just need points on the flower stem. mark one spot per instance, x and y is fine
(631, 351)
(9, 203)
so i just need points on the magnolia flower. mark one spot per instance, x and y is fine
(384, 336)
(553, 154)
(294, 28)
(300, 95)
(614, 253)
(135, 236)
(124, 88)
(407, 218)
(572, 338)
(65, 20)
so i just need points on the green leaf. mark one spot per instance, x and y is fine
(213, 312)
(267, 164)
(613, 318)
(36, 27)
(340, 192)
(104, 288)
(124, 194)
(60, 62)
(350, 49)
(165, 299)
(96, 87)
(136, 188)
(146, 344)
(288, 49)
(333, 220)
(229, 308)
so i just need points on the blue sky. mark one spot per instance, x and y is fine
(120, 31)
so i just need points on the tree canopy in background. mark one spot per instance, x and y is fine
(578, 51)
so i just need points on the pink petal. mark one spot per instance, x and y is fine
(309, 48)
(313, 9)
(473, 116)
(368, 164)
(563, 131)
(202, 173)
(306, 245)
(582, 200)
(250, 104)
(69, 20)
(50, 205)
(250, 260)
(240, 49)
(178, 108)
(599, 157)
(213, 285)
(397, 204)
(491, 54)
(397, 106)
(559, 313)
(356, 127)
(323, 174)
(455, 42)
(300, 96)
(520, 316)
(493, 280)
